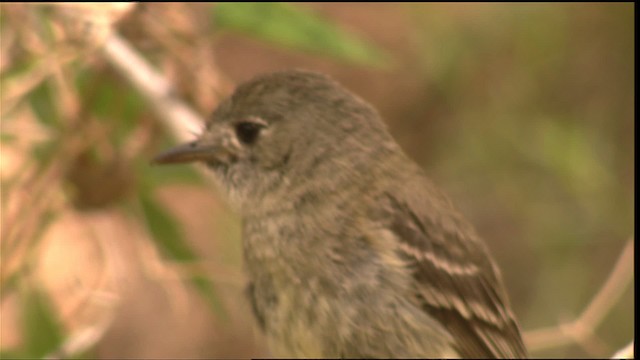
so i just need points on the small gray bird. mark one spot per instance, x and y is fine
(351, 251)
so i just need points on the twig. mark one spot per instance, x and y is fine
(182, 120)
(581, 329)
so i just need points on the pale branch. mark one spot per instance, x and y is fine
(183, 121)
(581, 330)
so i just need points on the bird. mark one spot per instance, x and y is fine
(350, 249)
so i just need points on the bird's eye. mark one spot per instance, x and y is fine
(248, 132)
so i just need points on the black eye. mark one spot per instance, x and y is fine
(248, 132)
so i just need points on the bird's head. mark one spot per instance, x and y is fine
(279, 131)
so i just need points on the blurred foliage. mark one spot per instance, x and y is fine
(100, 173)
(293, 27)
(41, 326)
(523, 112)
(170, 239)
(539, 109)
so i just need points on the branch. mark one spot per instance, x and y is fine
(181, 119)
(581, 330)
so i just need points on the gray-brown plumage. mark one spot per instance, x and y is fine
(350, 249)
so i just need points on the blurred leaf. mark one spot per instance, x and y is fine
(206, 289)
(44, 26)
(168, 236)
(97, 92)
(7, 138)
(42, 103)
(10, 354)
(568, 151)
(43, 152)
(166, 231)
(294, 27)
(42, 330)
(109, 99)
(19, 71)
(172, 174)
(9, 283)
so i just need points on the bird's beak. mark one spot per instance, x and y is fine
(189, 152)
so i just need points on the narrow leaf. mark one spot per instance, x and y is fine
(168, 236)
(294, 27)
(42, 331)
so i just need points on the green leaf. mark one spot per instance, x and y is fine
(7, 138)
(172, 174)
(12, 282)
(9, 285)
(168, 236)
(44, 28)
(42, 103)
(207, 291)
(166, 231)
(10, 354)
(293, 27)
(111, 100)
(20, 69)
(42, 331)
(45, 151)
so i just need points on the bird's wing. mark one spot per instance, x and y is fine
(456, 280)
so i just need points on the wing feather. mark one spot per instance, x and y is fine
(456, 280)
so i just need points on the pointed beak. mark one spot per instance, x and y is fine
(190, 152)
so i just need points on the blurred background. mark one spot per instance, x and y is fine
(523, 113)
